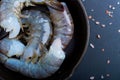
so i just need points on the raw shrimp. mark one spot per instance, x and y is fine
(10, 13)
(47, 65)
(63, 24)
(52, 58)
(11, 47)
(63, 29)
(39, 31)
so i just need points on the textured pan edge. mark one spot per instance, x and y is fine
(87, 39)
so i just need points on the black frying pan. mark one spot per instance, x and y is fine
(75, 50)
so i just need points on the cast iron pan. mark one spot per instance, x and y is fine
(75, 50)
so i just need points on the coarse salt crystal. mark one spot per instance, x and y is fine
(98, 36)
(83, 0)
(102, 77)
(110, 6)
(113, 8)
(107, 12)
(92, 46)
(108, 61)
(93, 19)
(89, 17)
(118, 2)
(103, 25)
(92, 78)
(108, 75)
(110, 23)
(119, 30)
(111, 15)
(103, 49)
(92, 10)
(97, 22)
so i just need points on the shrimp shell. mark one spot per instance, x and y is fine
(63, 24)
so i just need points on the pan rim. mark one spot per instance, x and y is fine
(87, 39)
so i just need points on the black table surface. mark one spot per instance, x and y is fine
(102, 59)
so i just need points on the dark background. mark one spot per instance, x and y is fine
(101, 62)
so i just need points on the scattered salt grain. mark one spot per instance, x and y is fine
(102, 49)
(92, 78)
(92, 10)
(113, 8)
(89, 17)
(92, 46)
(108, 75)
(102, 77)
(93, 19)
(97, 22)
(108, 61)
(110, 6)
(110, 23)
(118, 3)
(98, 36)
(119, 30)
(83, 0)
(103, 25)
(109, 13)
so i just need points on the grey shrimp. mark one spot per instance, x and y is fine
(50, 60)
(10, 13)
(47, 65)
(39, 31)
(63, 24)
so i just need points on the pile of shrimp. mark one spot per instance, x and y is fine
(33, 41)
